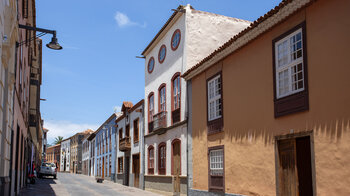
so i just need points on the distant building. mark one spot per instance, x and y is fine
(76, 151)
(130, 145)
(86, 155)
(92, 154)
(105, 151)
(53, 155)
(65, 155)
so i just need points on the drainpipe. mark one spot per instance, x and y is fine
(143, 147)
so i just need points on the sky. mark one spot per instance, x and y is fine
(97, 70)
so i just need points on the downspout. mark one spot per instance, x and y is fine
(143, 147)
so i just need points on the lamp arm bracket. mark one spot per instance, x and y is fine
(37, 29)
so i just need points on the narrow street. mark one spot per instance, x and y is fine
(74, 184)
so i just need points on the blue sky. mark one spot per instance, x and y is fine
(97, 70)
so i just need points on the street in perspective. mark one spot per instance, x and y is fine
(174, 98)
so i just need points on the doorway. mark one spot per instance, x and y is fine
(295, 167)
(136, 169)
(176, 164)
(127, 171)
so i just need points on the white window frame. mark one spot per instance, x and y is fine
(214, 98)
(289, 65)
(215, 163)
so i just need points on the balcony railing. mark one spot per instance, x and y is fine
(124, 144)
(175, 115)
(160, 121)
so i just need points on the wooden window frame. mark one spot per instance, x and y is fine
(120, 163)
(120, 133)
(159, 97)
(213, 188)
(127, 130)
(161, 171)
(299, 101)
(175, 76)
(172, 155)
(216, 125)
(150, 170)
(150, 116)
(136, 130)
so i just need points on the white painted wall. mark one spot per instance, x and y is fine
(65, 145)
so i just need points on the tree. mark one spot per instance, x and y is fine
(58, 140)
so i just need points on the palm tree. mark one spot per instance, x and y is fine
(58, 140)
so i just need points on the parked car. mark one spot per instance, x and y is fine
(48, 169)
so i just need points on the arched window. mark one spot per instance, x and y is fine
(162, 98)
(162, 159)
(150, 160)
(150, 111)
(175, 98)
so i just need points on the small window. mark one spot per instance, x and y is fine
(150, 160)
(136, 130)
(216, 168)
(150, 107)
(120, 134)
(175, 39)
(162, 159)
(162, 54)
(290, 72)
(120, 165)
(150, 66)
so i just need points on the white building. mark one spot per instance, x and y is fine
(86, 155)
(92, 157)
(65, 155)
(188, 36)
(130, 145)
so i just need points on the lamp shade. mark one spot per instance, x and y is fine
(54, 44)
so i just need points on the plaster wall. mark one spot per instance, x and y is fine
(248, 107)
(206, 32)
(154, 140)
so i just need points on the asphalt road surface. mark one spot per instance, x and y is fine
(76, 184)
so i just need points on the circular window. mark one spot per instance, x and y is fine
(150, 65)
(162, 54)
(175, 39)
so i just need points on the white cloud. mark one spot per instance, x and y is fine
(117, 109)
(65, 129)
(124, 21)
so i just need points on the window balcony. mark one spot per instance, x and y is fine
(124, 144)
(159, 122)
(175, 115)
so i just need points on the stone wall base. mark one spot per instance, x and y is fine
(195, 192)
(5, 185)
(164, 183)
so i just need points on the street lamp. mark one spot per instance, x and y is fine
(52, 45)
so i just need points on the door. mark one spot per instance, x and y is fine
(176, 165)
(103, 167)
(288, 179)
(127, 170)
(295, 173)
(136, 169)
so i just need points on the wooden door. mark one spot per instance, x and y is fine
(176, 165)
(127, 166)
(136, 169)
(288, 178)
(103, 167)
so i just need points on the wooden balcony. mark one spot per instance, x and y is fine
(124, 144)
(175, 115)
(160, 122)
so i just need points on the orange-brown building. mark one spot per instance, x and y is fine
(269, 110)
(53, 155)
